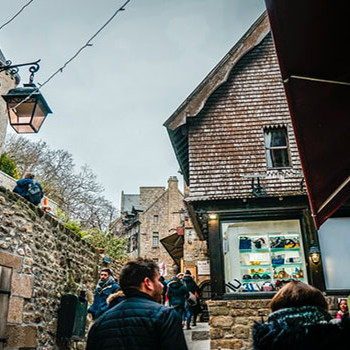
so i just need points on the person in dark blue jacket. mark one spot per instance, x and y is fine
(140, 322)
(23, 185)
(106, 286)
(177, 295)
(192, 310)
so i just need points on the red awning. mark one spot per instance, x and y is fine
(311, 39)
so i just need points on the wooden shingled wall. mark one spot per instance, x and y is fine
(226, 139)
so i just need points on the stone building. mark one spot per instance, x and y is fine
(8, 81)
(235, 144)
(157, 226)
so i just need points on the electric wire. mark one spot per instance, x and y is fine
(88, 44)
(11, 19)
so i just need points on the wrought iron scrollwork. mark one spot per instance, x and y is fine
(14, 68)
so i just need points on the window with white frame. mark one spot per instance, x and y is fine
(155, 219)
(155, 239)
(276, 147)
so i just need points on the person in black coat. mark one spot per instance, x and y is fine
(192, 309)
(300, 321)
(177, 295)
(139, 322)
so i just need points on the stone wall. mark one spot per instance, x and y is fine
(231, 321)
(47, 261)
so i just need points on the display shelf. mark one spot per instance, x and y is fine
(286, 265)
(287, 279)
(275, 250)
(253, 266)
(254, 250)
(253, 280)
(284, 235)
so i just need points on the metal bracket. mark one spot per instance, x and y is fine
(2, 291)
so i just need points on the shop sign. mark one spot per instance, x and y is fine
(203, 267)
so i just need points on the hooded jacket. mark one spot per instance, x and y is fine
(102, 292)
(177, 293)
(190, 284)
(137, 323)
(301, 328)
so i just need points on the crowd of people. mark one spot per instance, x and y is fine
(183, 295)
(135, 317)
(132, 315)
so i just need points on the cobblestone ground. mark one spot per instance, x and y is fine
(197, 344)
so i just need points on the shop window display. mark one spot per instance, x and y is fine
(260, 256)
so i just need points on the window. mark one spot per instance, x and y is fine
(260, 255)
(155, 219)
(155, 240)
(276, 145)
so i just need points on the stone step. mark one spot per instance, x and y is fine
(200, 335)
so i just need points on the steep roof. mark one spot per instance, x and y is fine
(128, 201)
(191, 107)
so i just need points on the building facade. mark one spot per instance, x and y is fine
(8, 81)
(156, 224)
(234, 141)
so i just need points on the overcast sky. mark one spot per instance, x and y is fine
(109, 104)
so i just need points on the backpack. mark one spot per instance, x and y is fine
(192, 300)
(34, 193)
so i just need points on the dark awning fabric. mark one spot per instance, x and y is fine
(174, 246)
(311, 39)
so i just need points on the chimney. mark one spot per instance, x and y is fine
(173, 183)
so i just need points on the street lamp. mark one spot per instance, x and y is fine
(27, 108)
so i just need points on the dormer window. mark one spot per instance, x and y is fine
(276, 146)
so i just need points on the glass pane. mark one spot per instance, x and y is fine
(39, 116)
(275, 137)
(23, 129)
(259, 256)
(155, 239)
(335, 248)
(22, 114)
(277, 158)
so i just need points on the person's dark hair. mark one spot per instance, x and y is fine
(340, 300)
(29, 176)
(134, 272)
(296, 294)
(106, 269)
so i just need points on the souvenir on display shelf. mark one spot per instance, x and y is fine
(269, 260)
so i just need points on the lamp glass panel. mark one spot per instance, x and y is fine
(23, 129)
(21, 114)
(39, 116)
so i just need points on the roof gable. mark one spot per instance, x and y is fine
(197, 99)
(177, 124)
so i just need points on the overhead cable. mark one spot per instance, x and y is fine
(11, 19)
(88, 44)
